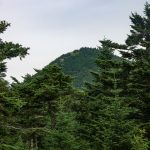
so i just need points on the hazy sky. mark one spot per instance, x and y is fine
(54, 27)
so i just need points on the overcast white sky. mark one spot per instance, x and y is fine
(54, 27)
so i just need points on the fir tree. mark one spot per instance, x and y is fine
(105, 122)
(46, 118)
(137, 50)
(8, 50)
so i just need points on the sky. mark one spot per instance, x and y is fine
(55, 27)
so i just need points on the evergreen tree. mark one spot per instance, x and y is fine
(137, 50)
(8, 50)
(105, 122)
(46, 119)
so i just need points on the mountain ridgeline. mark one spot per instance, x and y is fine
(79, 64)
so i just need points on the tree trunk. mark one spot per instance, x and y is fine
(51, 110)
(36, 142)
(31, 144)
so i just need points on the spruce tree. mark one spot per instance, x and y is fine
(46, 119)
(105, 122)
(137, 50)
(8, 50)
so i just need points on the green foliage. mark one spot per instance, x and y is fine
(44, 112)
(9, 50)
(139, 143)
(3, 26)
(8, 104)
(104, 116)
(46, 119)
(137, 49)
(64, 135)
(78, 64)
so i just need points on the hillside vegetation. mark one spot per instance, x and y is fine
(111, 112)
(78, 64)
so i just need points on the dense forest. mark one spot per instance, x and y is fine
(47, 111)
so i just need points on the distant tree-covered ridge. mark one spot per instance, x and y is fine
(79, 64)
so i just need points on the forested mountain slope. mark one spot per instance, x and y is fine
(79, 64)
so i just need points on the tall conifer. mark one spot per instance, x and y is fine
(137, 50)
(106, 124)
(8, 50)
